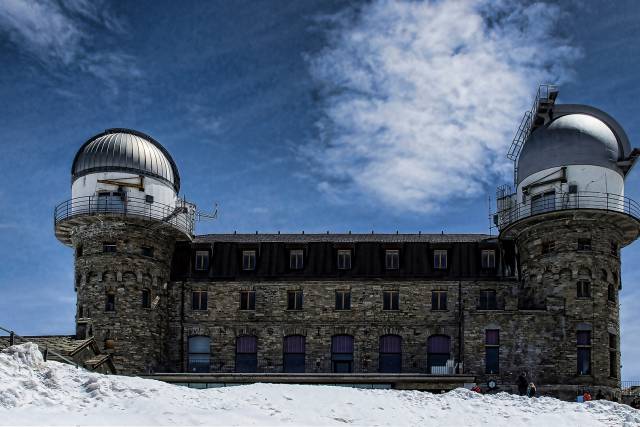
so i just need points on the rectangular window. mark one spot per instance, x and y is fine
(248, 260)
(108, 247)
(614, 249)
(584, 244)
(613, 342)
(146, 298)
(548, 247)
(544, 202)
(202, 260)
(438, 300)
(294, 300)
(199, 300)
(343, 300)
(492, 351)
(296, 259)
(344, 260)
(390, 300)
(440, 259)
(110, 302)
(147, 251)
(79, 251)
(613, 355)
(488, 300)
(488, 259)
(247, 300)
(392, 259)
(583, 289)
(583, 341)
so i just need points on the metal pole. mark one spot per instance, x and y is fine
(45, 353)
(11, 338)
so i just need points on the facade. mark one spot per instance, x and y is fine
(426, 311)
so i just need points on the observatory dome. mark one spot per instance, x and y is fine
(125, 150)
(572, 139)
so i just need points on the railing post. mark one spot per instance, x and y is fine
(11, 338)
(45, 354)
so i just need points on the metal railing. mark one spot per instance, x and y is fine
(536, 205)
(180, 216)
(631, 388)
(12, 341)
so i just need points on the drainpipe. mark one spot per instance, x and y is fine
(460, 329)
(182, 327)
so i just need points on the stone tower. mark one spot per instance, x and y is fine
(123, 220)
(569, 219)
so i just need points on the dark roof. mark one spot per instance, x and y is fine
(342, 238)
(64, 344)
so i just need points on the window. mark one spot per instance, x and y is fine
(294, 353)
(438, 354)
(613, 356)
(343, 300)
(603, 275)
(248, 260)
(247, 300)
(294, 300)
(492, 351)
(342, 354)
(390, 300)
(108, 247)
(202, 260)
(110, 303)
(438, 300)
(614, 249)
(199, 300)
(583, 289)
(488, 259)
(584, 244)
(146, 298)
(440, 259)
(147, 251)
(543, 202)
(246, 354)
(392, 259)
(199, 354)
(548, 247)
(390, 355)
(611, 293)
(583, 340)
(344, 260)
(296, 259)
(78, 251)
(81, 311)
(488, 300)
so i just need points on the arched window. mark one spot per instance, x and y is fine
(146, 298)
(294, 352)
(438, 353)
(342, 353)
(199, 354)
(246, 354)
(390, 353)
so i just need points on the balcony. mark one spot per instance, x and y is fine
(70, 212)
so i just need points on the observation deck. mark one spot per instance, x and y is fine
(81, 210)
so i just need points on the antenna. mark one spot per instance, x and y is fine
(206, 216)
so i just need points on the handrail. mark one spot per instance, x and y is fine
(545, 203)
(180, 216)
(13, 335)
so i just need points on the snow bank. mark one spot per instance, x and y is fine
(51, 393)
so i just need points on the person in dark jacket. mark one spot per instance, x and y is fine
(522, 383)
(531, 390)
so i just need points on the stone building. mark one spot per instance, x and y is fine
(424, 311)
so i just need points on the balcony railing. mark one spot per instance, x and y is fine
(180, 216)
(541, 204)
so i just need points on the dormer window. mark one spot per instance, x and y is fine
(248, 260)
(202, 260)
(488, 259)
(344, 259)
(392, 259)
(296, 259)
(440, 259)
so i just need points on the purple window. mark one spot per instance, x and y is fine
(342, 344)
(438, 344)
(492, 337)
(390, 344)
(246, 344)
(294, 344)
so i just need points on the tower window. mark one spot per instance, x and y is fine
(584, 244)
(544, 202)
(440, 259)
(108, 247)
(584, 289)
(488, 300)
(343, 300)
(294, 300)
(488, 259)
(81, 311)
(614, 249)
(202, 260)
(344, 259)
(392, 259)
(583, 341)
(492, 351)
(147, 251)
(611, 293)
(110, 303)
(548, 247)
(390, 300)
(146, 298)
(438, 300)
(247, 300)
(78, 251)
(199, 300)
(248, 260)
(296, 259)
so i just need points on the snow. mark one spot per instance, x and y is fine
(34, 392)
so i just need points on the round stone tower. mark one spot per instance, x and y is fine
(569, 219)
(123, 220)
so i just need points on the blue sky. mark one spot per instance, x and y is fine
(307, 115)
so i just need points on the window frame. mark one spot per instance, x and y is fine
(202, 255)
(147, 251)
(490, 348)
(344, 255)
(490, 258)
(491, 304)
(247, 300)
(437, 300)
(585, 244)
(438, 255)
(249, 260)
(392, 259)
(298, 256)
(110, 302)
(109, 247)
(583, 289)
(203, 303)
(585, 350)
(343, 300)
(390, 300)
(298, 300)
(146, 298)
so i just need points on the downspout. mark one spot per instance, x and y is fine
(182, 327)
(460, 329)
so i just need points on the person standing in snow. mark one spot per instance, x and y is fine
(522, 383)
(531, 390)
(587, 396)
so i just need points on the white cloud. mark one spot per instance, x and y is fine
(421, 99)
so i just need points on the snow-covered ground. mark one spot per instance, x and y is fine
(51, 393)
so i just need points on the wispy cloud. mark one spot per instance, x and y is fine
(64, 34)
(420, 99)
